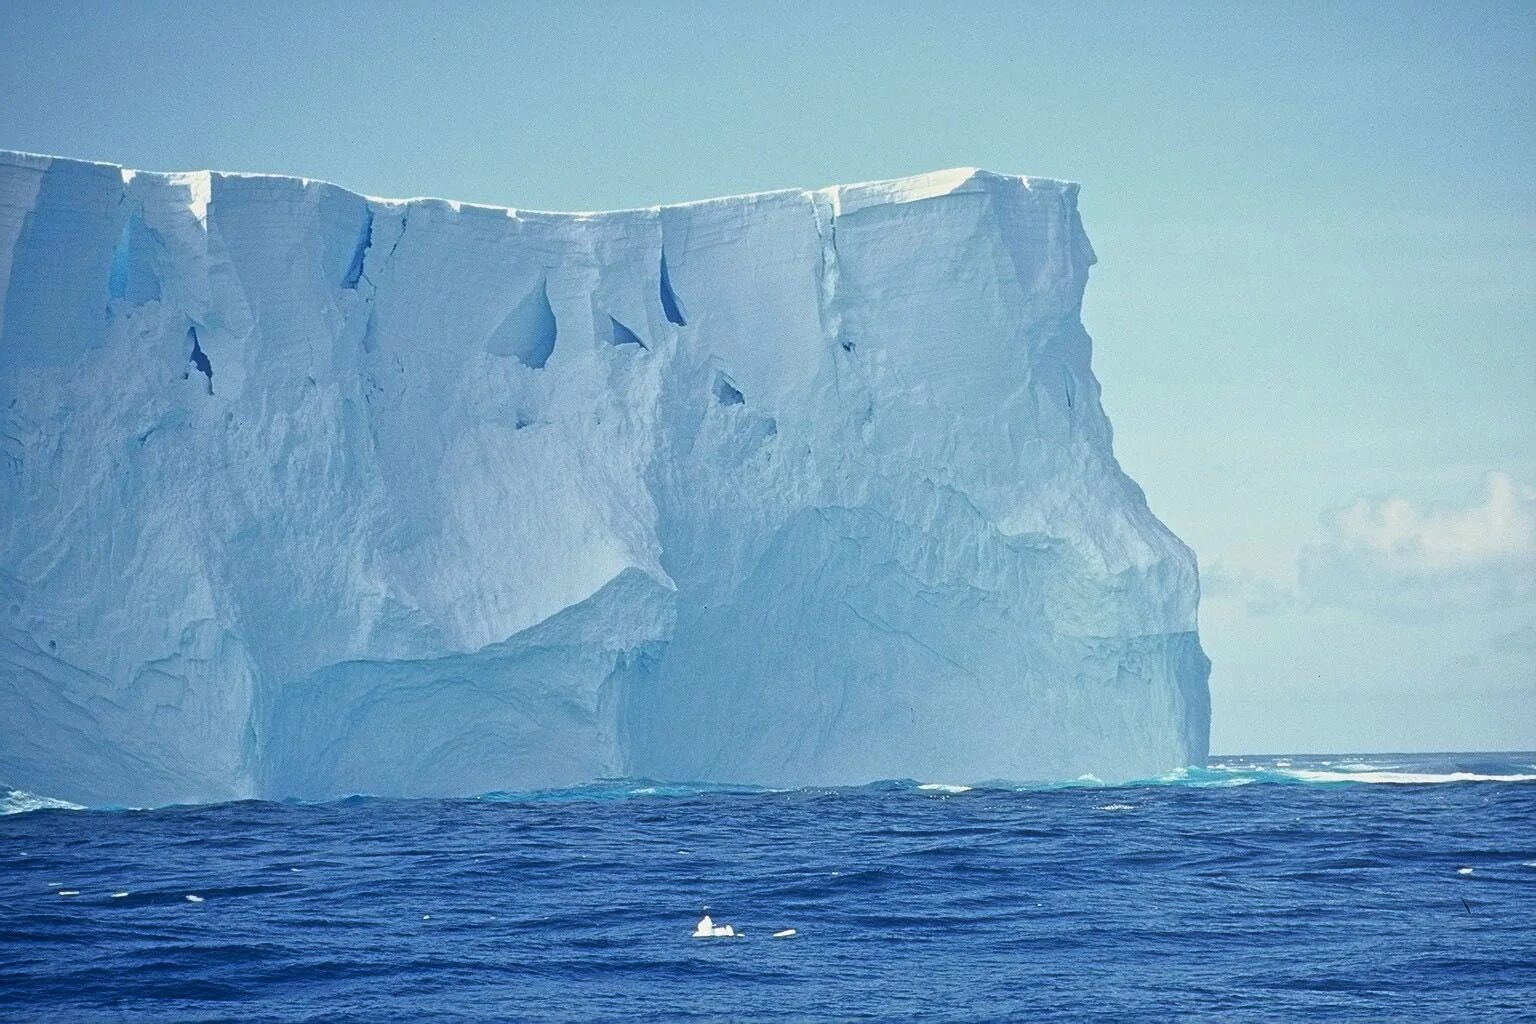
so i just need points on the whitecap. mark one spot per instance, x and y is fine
(1403, 778)
(1463, 871)
(119, 895)
(943, 787)
(1116, 807)
(194, 898)
(69, 892)
(16, 801)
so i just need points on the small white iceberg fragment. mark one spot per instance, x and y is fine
(785, 933)
(194, 898)
(707, 929)
(69, 892)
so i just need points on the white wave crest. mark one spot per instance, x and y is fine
(1401, 778)
(16, 801)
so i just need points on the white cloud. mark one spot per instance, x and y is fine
(1392, 555)
(1396, 532)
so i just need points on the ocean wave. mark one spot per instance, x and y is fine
(1220, 774)
(17, 801)
(1400, 778)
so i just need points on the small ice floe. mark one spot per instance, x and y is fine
(193, 897)
(707, 929)
(785, 933)
(120, 895)
(69, 892)
(1463, 871)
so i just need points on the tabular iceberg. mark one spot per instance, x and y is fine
(307, 493)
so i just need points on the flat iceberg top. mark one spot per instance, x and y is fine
(848, 197)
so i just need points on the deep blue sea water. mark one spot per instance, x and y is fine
(1356, 888)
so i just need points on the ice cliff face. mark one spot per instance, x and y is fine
(306, 493)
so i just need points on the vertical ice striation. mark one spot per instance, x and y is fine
(307, 493)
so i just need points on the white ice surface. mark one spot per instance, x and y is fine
(307, 493)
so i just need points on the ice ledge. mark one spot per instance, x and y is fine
(845, 198)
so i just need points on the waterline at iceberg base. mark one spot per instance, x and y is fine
(308, 493)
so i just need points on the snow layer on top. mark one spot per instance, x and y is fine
(850, 197)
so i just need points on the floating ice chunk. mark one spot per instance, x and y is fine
(707, 929)
(785, 933)
(194, 898)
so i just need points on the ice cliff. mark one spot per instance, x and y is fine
(306, 493)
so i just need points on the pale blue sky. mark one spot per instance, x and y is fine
(1316, 226)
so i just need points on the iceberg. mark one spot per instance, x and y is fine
(308, 493)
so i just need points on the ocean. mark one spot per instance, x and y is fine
(1340, 888)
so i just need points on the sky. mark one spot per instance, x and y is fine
(1314, 313)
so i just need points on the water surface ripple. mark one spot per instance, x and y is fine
(1262, 889)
